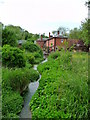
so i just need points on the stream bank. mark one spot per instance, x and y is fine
(32, 87)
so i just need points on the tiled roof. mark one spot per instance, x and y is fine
(44, 39)
(57, 36)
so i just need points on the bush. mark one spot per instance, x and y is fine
(9, 37)
(37, 55)
(17, 79)
(14, 82)
(12, 115)
(31, 47)
(11, 103)
(34, 50)
(13, 57)
(54, 55)
(30, 58)
(34, 75)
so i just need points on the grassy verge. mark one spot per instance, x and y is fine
(63, 88)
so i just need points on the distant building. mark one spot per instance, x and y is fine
(52, 43)
(55, 42)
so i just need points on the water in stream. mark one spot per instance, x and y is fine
(32, 87)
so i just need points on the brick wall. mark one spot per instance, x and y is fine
(51, 42)
(40, 43)
(59, 41)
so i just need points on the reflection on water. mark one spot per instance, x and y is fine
(32, 87)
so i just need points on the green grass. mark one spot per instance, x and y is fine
(63, 88)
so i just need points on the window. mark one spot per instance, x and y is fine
(51, 44)
(61, 40)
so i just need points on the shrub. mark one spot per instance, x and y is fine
(13, 57)
(37, 55)
(18, 79)
(31, 47)
(11, 103)
(12, 115)
(9, 37)
(54, 55)
(34, 75)
(30, 58)
(14, 82)
(34, 50)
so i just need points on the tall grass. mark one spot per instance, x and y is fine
(63, 88)
(14, 81)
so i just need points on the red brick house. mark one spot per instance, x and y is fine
(55, 42)
(52, 43)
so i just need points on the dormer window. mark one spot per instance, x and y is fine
(61, 40)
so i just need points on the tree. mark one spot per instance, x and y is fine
(13, 57)
(87, 4)
(1, 27)
(8, 37)
(85, 26)
(62, 31)
(75, 33)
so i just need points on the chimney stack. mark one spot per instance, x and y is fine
(41, 37)
(49, 34)
(58, 32)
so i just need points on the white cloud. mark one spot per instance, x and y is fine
(42, 15)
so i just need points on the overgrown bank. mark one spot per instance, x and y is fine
(63, 88)
(17, 73)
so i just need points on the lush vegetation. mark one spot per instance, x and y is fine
(14, 82)
(17, 70)
(13, 57)
(11, 34)
(82, 33)
(63, 88)
(33, 52)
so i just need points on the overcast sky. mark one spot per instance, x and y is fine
(43, 16)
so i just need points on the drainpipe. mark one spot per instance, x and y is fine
(48, 46)
(54, 43)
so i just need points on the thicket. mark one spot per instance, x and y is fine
(33, 52)
(14, 82)
(17, 73)
(17, 70)
(13, 57)
(31, 47)
(63, 88)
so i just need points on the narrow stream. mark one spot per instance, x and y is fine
(32, 87)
